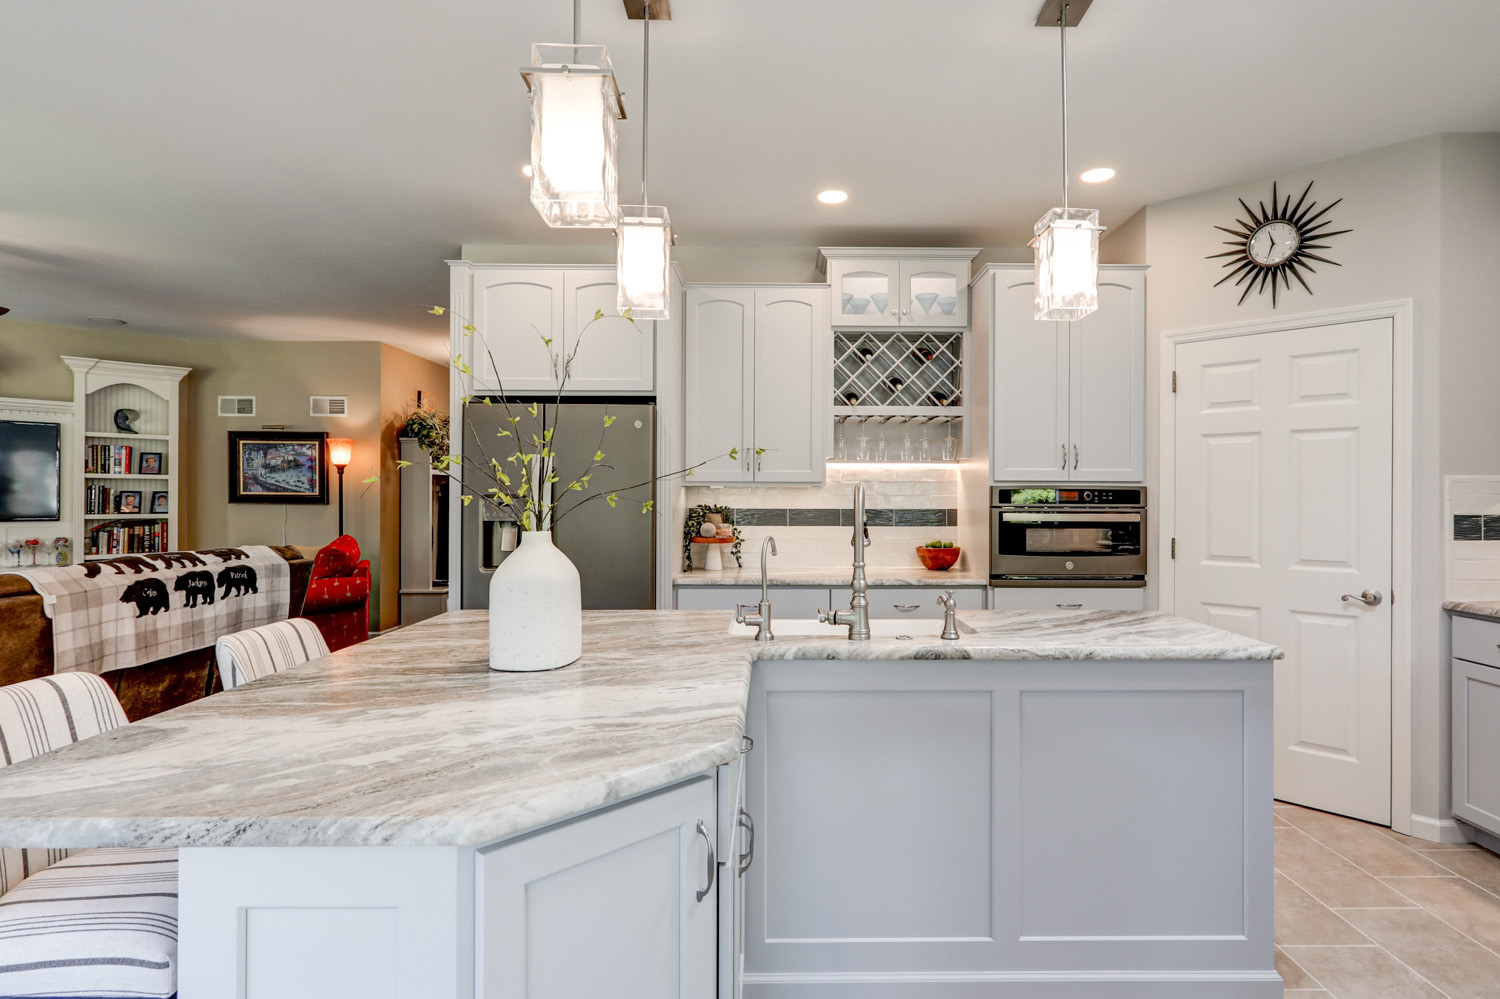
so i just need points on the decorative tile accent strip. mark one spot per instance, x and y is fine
(760, 517)
(1468, 527)
(1491, 527)
(812, 517)
(921, 518)
(844, 517)
(952, 518)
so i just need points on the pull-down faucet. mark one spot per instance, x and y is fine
(762, 619)
(857, 617)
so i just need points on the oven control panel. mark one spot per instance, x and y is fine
(1066, 496)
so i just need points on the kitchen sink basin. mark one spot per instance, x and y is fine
(879, 628)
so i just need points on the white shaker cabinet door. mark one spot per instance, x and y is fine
(719, 371)
(1029, 390)
(1107, 378)
(791, 403)
(605, 905)
(513, 311)
(613, 354)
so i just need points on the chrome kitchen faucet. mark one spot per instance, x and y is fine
(857, 617)
(762, 619)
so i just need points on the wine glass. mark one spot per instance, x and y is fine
(882, 449)
(862, 452)
(13, 545)
(841, 441)
(950, 446)
(908, 448)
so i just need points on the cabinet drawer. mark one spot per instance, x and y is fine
(1093, 598)
(1477, 641)
(913, 601)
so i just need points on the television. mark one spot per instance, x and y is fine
(30, 471)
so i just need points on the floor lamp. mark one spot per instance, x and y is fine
(340, 451)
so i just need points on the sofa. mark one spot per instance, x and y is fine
(338, 594)
(26, 649)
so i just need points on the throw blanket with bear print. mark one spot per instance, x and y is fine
(121, 612)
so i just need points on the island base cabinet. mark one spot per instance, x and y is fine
(325, 922)
(605, 905)
(1073, 830)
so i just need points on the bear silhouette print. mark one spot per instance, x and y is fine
(149, 596)
(237, 579)
(170, 560)
(226, 554)
(198, 587)
(134, 563)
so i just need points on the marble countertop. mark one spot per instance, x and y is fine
(410, 739)
(1474, 608)
(842, 576)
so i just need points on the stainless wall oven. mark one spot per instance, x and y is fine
(1067, 536)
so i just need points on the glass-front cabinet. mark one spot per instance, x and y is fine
(918, 288)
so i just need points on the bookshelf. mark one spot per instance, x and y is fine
(116, 463)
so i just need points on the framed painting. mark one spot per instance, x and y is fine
(278, 466)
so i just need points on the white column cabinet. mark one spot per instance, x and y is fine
(605, 901)
(515, 310)
(1069, 399)
(757, 369)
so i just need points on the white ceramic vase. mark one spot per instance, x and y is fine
(536, 616)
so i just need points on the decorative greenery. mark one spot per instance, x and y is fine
(696, 518)
(430, 428)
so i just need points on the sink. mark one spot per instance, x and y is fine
(879, 628)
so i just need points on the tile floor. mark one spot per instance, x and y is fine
(1363, 912)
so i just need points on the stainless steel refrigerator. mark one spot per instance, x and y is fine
(613, 547)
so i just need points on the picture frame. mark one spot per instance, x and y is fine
(159, 501)
(278, 466)
(150, 463)
(128, 501)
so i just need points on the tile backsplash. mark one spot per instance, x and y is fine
(905, 507)
(1472, 511)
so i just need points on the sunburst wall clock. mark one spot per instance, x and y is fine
(1277, 245)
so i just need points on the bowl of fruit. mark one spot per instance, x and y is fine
(938, 555)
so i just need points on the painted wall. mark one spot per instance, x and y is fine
(281, 375)
(1423, 213)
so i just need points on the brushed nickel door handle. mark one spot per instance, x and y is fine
(1370, 598)
(1075, 456)
(712, 861)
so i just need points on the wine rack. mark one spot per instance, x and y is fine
(897, 373)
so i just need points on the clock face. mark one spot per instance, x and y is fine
(1273, 243)
(1275, 246)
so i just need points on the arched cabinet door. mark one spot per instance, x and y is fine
(514, 310)
(935, 293)
(791, 379)
(866, 292)
(1107, 383)
(613, 354)
(719, 373)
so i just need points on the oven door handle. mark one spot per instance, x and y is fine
(1070, 518)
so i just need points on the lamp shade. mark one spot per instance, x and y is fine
(643, 241)
(574, 104)
(1067, 263)
(340, 451)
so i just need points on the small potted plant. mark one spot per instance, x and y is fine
(938, 555)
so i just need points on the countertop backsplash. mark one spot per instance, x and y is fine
(906, 507)
(1472, 512)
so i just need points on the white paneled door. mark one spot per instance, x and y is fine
(1283, 506)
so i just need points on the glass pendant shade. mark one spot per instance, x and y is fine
(1067, 263)
(644, 242)
(574, 104)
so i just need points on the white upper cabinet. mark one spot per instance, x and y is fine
(757, 365)
(516, 310)
(1068, 400)
(917, 288)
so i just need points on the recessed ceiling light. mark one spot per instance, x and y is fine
(106, 321)
(1098, 175)
(833, 197)
(526, 170)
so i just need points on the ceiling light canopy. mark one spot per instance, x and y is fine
(1067, 239)
(643, 235)
(574, 105)
(833, 197)
(1098, 175)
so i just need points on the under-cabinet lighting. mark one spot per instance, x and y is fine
(883, 465)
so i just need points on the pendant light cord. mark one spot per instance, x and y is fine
(576, 5)
(1062, 22)
(645, 95)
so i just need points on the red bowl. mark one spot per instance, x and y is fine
(938, 559)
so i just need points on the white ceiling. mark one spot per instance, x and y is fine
(286, 169)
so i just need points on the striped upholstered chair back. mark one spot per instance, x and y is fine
(41, 715)
(250, 655)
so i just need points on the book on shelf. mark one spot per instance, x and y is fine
(127, 538)
(109, 459)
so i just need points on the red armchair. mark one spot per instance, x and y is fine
(338, 596)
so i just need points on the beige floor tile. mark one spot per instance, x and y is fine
(1480, 866)
(1328, 877)
(1292, 975)
(1457, 902)
(1363, 844)
(1277, 820)
(1445, 957)
(1361, 973)
(1422, 845)
(1302, 919)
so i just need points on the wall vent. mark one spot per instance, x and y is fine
(329, 405)
(236, 405)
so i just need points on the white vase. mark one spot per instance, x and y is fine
(536, 616)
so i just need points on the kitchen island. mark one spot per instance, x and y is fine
(1080, 800)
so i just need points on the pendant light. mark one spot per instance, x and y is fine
(1067, 239)
(643, 238)
(574, 104)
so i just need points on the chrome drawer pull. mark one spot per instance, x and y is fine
(712, 862)
(1070, 606)
(905, 607)
(748, 857)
